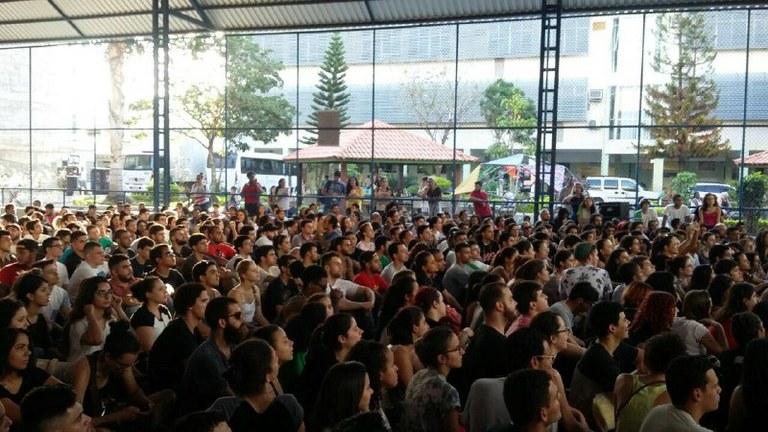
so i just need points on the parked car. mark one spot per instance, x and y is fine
(619, 189)
(719, 189)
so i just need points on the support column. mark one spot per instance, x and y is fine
(160, 104)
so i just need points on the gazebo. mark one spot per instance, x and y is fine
(754, 161)
(393, 146)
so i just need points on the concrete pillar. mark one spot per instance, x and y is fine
(658, 174)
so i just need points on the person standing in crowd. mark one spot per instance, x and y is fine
(479, 200)
(251, 192)
(433, 194)
(200, 195)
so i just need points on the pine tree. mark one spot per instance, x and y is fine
(681, 109)
(332, 89)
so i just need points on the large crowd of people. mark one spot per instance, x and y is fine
(125, 319)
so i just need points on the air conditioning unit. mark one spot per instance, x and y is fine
(595, 95)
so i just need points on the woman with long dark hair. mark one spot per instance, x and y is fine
(709, 213)
(33, 290)
(87, 326)
(18, 373)
(741, 298)
(401, 294)
(300, 330)
(252, 369)
(748, 403)
(345, 391)
(382, 371)
(330, 344)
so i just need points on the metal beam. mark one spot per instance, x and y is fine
(202, 14)
(63, 15)
(370, 12)
(187, 18)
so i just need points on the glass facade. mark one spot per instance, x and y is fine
(66, 109)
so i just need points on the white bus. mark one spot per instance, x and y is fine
(138, 168)
(268, 167)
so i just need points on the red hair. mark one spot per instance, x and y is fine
(656, 313)
(635, 293)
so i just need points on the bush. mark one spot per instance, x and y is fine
(684, 184)
(177, 194)
(755, 186)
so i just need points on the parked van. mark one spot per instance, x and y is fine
(619, 189)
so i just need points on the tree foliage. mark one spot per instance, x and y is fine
(331, 91)
(430, 96)
(248, 108)
(512, 116)
(682, 108)
(684, 184)
(754, 199)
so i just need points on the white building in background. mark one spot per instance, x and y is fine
(601, 69)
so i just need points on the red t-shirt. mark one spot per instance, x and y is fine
(251, 192)
(9, 273)
(373, 281)
(222, 250)
(482, 209)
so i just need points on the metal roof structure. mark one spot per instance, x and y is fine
(35, 21)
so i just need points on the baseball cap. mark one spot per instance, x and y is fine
(583, 250)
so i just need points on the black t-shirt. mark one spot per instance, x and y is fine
(601, 367)
(276, 294)
(140, 270)
(488, 251)
(284, 414)
(72, 261)
(38, 333)
(174, 277)
(483, 358)
(144, 318)
(169, 354)
(31, 378)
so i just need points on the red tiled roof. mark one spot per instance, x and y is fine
(757, 159)
(392, 144)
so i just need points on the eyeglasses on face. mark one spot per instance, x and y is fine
(457, 349)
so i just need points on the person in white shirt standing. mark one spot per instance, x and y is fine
(676, 210)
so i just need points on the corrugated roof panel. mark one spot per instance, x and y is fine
(74, 8)
(24, 10)
(629, 4)
(28, 32)
(206, 3)
(290, 15)
(122, 25)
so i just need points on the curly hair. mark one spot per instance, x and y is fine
(655, 314)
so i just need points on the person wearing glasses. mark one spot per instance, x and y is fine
(87, 326)
(106, 386)
(203, 381)
(431, 403)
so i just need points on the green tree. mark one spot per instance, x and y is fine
(511, 114)
(682, 108)
(331, 91)
(498, 150)
(754, 199)
(684, 184)
(253, 110)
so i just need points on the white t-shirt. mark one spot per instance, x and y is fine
(667, 418)
(672, 213)
(691, 332)
(390, 271)
(59, 298)
(345, 286)
(76, 332)
(81, 273)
